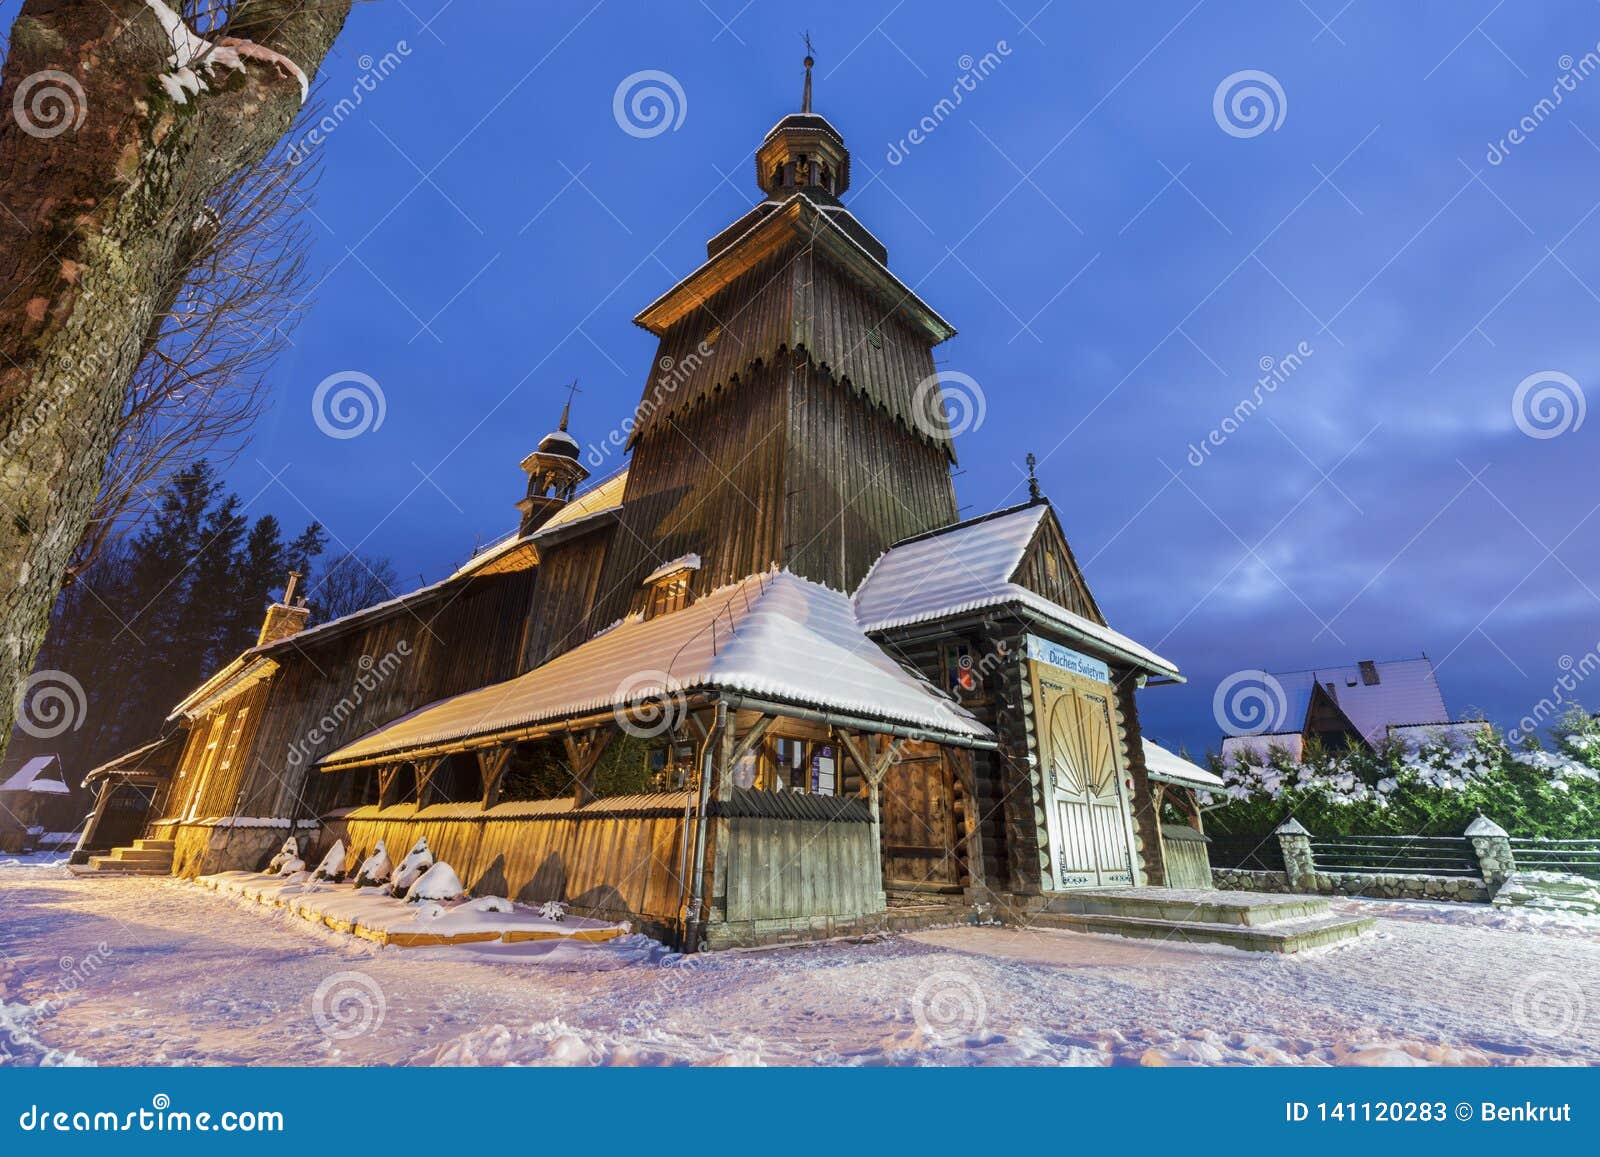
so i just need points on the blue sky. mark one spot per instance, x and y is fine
(1118, 266)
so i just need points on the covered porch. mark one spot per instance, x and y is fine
(714, 808)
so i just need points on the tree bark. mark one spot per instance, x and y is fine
(103, 176)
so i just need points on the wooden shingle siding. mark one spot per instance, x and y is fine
(1063, 584)
(794, 300)
(568, 585)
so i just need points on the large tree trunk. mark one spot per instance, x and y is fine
(103, 180)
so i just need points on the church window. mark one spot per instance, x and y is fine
(668, 595)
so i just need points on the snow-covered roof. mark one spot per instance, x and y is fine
(31, 777)
(1168, 767)
(1406, 692)
(970, 567)
(597, 500)
(681, 563)
(773, 635)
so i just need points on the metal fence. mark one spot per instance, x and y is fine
(1397, 855)
(1580, 857)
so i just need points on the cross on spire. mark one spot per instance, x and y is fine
(805, 96)
(1033, 479)
(566, 410)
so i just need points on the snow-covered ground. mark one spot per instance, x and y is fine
(141, 971)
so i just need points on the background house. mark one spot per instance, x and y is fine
(1362, 704)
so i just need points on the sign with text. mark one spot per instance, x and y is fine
(1044, 651)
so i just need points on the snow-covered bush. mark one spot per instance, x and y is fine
(375, 869)
(289, 851)
(417, 861)
(332, 865)
(553, 910)
(489, 904)
(292, 867)
(1435, 788)
(439, 882)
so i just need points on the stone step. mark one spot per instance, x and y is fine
(155, 845)
(1286, 936)
(1187, 905)
(141, 856)
(111, 866)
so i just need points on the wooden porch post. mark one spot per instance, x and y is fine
(425, 769)
(492, 763)
(873, 769)
(583, 753)
(386, 777)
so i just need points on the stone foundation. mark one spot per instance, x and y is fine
(1247, 880)
(205, 847)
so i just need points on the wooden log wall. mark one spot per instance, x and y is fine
(1146, 803)
(329, 690)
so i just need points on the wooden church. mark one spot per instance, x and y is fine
(761, 685)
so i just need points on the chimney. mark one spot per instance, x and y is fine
(1369, 672)
(286, 617)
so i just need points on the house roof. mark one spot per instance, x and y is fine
(31, 777)
(1407, 692)
(1168, 767)
(970, 567)
(152, 761)
(773, 635)
(595, 501)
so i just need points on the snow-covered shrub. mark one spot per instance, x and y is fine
(489, 904)
(375, 869)
(439, 882)
(292, 867)
(332, 865)
(553, 910)
(1436, 788)
(417, 861)
(289, 851)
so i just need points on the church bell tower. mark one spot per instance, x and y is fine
(792, 415)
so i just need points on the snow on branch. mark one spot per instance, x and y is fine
(194, 57)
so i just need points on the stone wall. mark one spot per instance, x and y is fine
(1247, 880)
(1397, 886)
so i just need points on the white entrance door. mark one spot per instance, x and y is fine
(1090, 828)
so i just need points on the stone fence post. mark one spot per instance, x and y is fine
(1297, 860)
(1493, 849)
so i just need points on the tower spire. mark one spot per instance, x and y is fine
(566, 410)
(805, 95)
